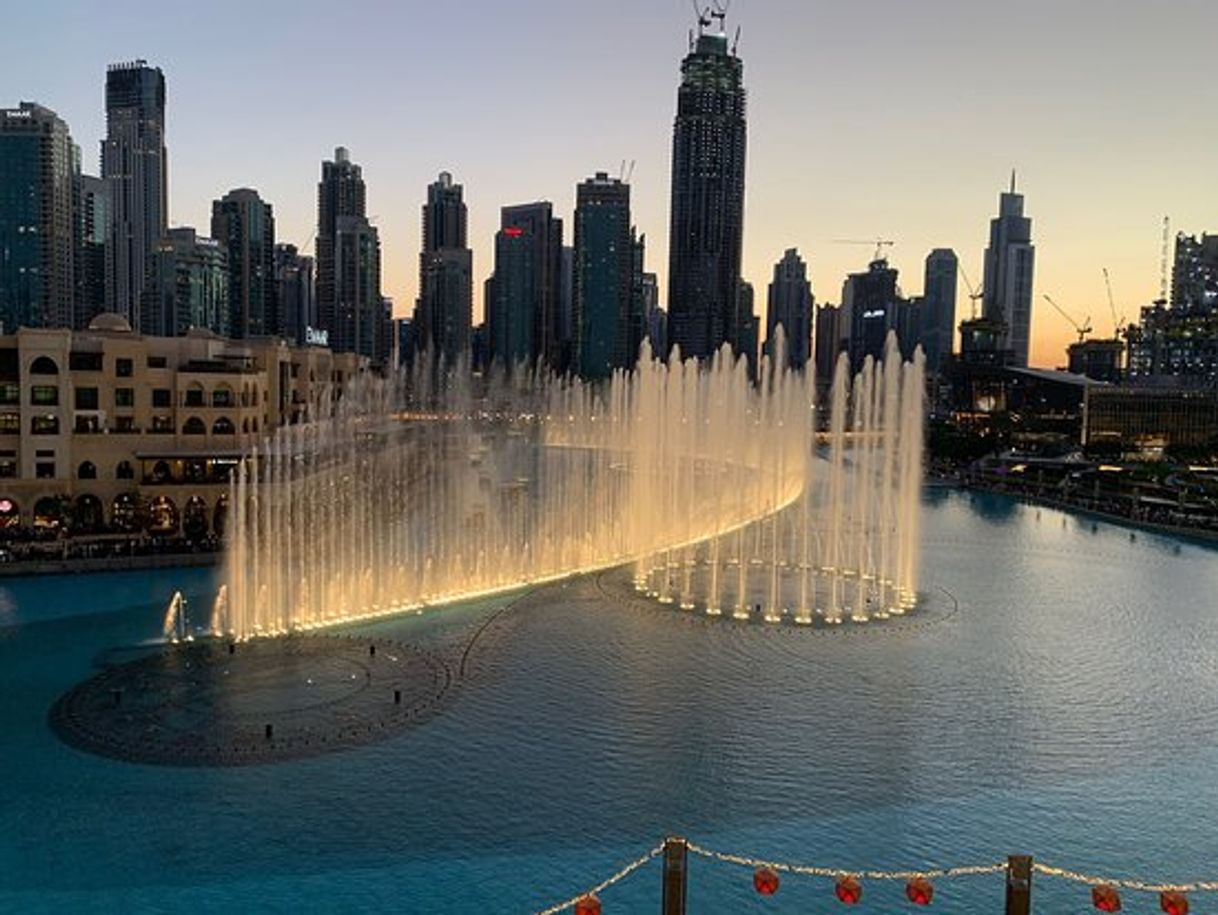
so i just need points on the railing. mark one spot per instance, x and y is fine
(1018, 871)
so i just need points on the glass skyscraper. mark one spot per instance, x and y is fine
(1007, 297)
(603, 274)
(245, 224)
(707, 204)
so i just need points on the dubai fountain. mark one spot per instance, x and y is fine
(718, 491)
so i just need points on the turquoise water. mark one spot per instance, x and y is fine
(1068, 709)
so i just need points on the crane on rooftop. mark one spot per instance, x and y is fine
(1081, 329)
(879, 243)
(1118, 323)
(973, 294)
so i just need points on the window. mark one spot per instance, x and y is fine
(8, 467)
(86, 398)
(87, 424)
(45, 470)
(222, 397)
(194, 426)
(87, 471)
(123, 368)
(162, 397)
(124, 397)
(44, 395)
(157, 362)
(10, 393)
(124, 424)
(223, 426)
(194, 396)
(124, 471)
(45, 424)
(162, 424)
(10, 423)
(85, 362)
(44, 365)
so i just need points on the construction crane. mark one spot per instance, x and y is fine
(1082, 329)
(973, 295)
(1118, 323)
(879, 243)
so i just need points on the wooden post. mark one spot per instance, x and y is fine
(1019, 885)
(675, 854)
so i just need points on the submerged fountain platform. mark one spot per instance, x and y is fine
(210, 703)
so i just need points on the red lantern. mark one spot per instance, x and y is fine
(765, 881)
(1173, 903)
(919, 891)
(1105, 898)
(848, 890)
(588, 905)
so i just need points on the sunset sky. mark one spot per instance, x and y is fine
(887, 118)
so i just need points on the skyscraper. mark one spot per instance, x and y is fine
(604, 265)
(790, 306)
(135, 168)
(340, 193)
(37, 234)
(92, 203)
(938, 325)
(187, 287)
(523, 293)
(444, 310)
(294, 293)
(707, 202)
(361, 324)
(1007, 285)
(245, 224)
(871, 307)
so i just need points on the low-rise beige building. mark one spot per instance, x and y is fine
(110, 431)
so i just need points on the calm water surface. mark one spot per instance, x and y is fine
(1068, 708)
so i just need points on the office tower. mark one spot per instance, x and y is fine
(604, 266)
(444, 311)
(523, 293)
(294, 294)
(707, 200)
(568, 330)
(790, 307)
(871, 306)
(749, 334)
(827, 339)
(340, 194)
(642, 299)
(135, 167)
(245, 224)
(188, 286)
(360, 321)
(938, 319)
(37, 233)
(1194, 276)
(92, 224)
(1008, 274)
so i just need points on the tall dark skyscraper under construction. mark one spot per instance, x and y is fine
(707, 205)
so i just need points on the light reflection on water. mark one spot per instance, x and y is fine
(1067, 709)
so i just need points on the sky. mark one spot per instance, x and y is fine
(889, 118)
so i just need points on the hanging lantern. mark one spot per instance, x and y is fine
(1173, 903)
(765, 881)
(1105, 898)
(919, 891)
(848, 890)
(588, 905)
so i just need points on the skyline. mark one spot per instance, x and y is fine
(1093, 112)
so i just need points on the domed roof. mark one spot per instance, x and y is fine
(109, 321)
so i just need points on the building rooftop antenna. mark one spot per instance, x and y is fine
(704, 17)
(718, 11)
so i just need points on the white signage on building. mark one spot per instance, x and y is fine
(317, 337)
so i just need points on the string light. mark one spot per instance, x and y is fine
(604, 884)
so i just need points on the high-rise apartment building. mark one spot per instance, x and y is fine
(361, 324)
(92, 203)
(1009, 260)
(340, 193)
(790, 307)
(523, 293)
(188, 286)
(37, 231)
(603, 275)
(707, 201)
(136, 170)
(871, 306)
(245, 224)
(444, 311)
(294, 293)
(1194, 276)
(938, 309)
